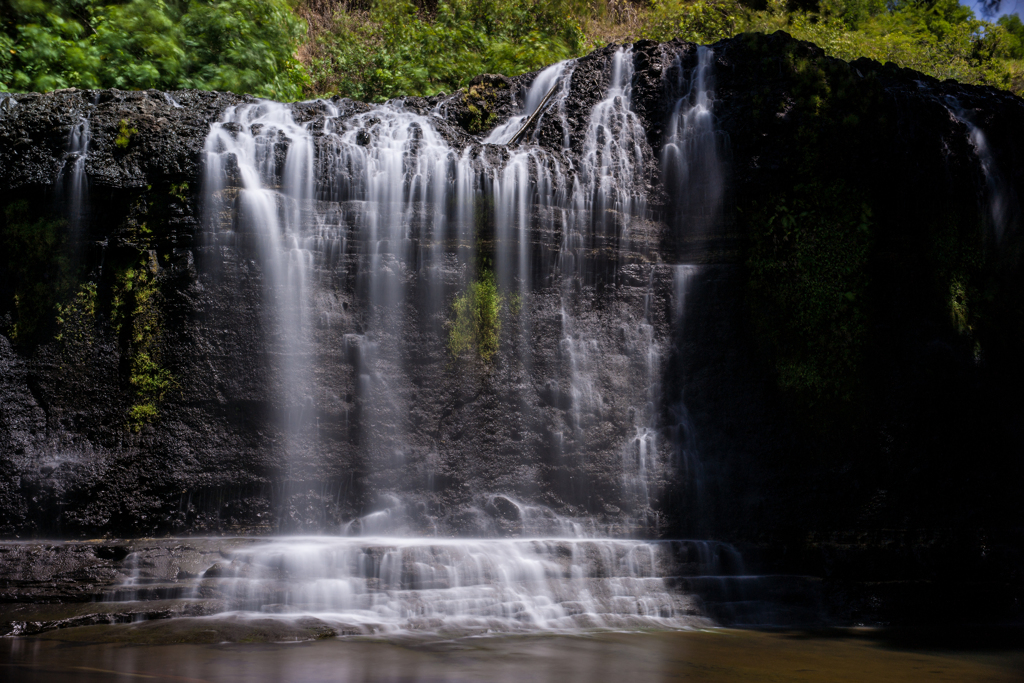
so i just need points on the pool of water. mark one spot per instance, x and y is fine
(132, 653)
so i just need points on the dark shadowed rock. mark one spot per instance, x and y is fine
(928, 437)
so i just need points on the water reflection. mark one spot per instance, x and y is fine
(719, 655)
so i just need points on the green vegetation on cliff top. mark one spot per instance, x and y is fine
(378, 49)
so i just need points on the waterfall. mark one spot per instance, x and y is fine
(76, 190)
(693, 173)
(1000, 205)
(270, 207)
(681, 429)
(694, 178)
(394, 168)
(998, 197)
(998, 201)
(601, 205)
(606, 197)
(690, 158)
(381, 585)
(401, 206)
(557, 74)
(640, 456)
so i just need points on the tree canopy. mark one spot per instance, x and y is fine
(246, 46)
(377, 49)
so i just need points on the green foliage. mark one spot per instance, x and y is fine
(179, 191)
(809, 276)
(77, 316)
(939, 37)
(247, 46)
(476, 323)
(1014, 28)
(481, 100)
(139, 45)
(853, 13)
(382, 49)
(124, 134)
(703, 21)
(38, 263)
(515, 304)
(394, 49)
(46, 46)
(244, 46)
(959, 309)
(135, 316)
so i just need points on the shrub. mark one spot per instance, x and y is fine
(247, 46)
(476, 323)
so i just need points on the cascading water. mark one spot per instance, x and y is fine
(998, 197)
(606, 196)
(559, 75)
(693, 175)
(394, 168)
(601, 206)
(373, 585)
(386, 195)
(271, 202)
(77, 187)
(693, 171)
(682, 429)
(691, 156)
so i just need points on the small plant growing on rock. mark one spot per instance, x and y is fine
(180, 191)
(125, 132)
(476, 324)
(481, 98)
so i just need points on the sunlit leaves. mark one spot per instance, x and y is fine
(247, 46)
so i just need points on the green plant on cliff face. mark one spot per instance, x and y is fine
(125, 131)
(135, 316)
(476, 324)
(39, 268)
(77, 316)
(179, 191)
(481, 99)
(808, 279)
(959, 311)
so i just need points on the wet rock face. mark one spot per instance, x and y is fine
(162, 406)
(170, 129)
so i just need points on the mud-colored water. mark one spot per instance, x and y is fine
(710, 655)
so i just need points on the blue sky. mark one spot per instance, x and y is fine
(1008, 7)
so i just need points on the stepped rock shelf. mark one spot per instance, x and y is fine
(741, 292)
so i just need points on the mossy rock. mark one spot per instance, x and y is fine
(481, 102)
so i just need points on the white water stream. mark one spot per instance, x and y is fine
(380, 585)
(691, 158)
(313, 185)
(72, 181)
(997, 196)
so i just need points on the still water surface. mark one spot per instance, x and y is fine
(709, 655)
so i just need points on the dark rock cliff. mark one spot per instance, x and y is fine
(850, 363)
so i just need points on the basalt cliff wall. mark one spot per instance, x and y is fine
(845, 376)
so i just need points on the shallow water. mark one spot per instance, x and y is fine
(708, 655)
